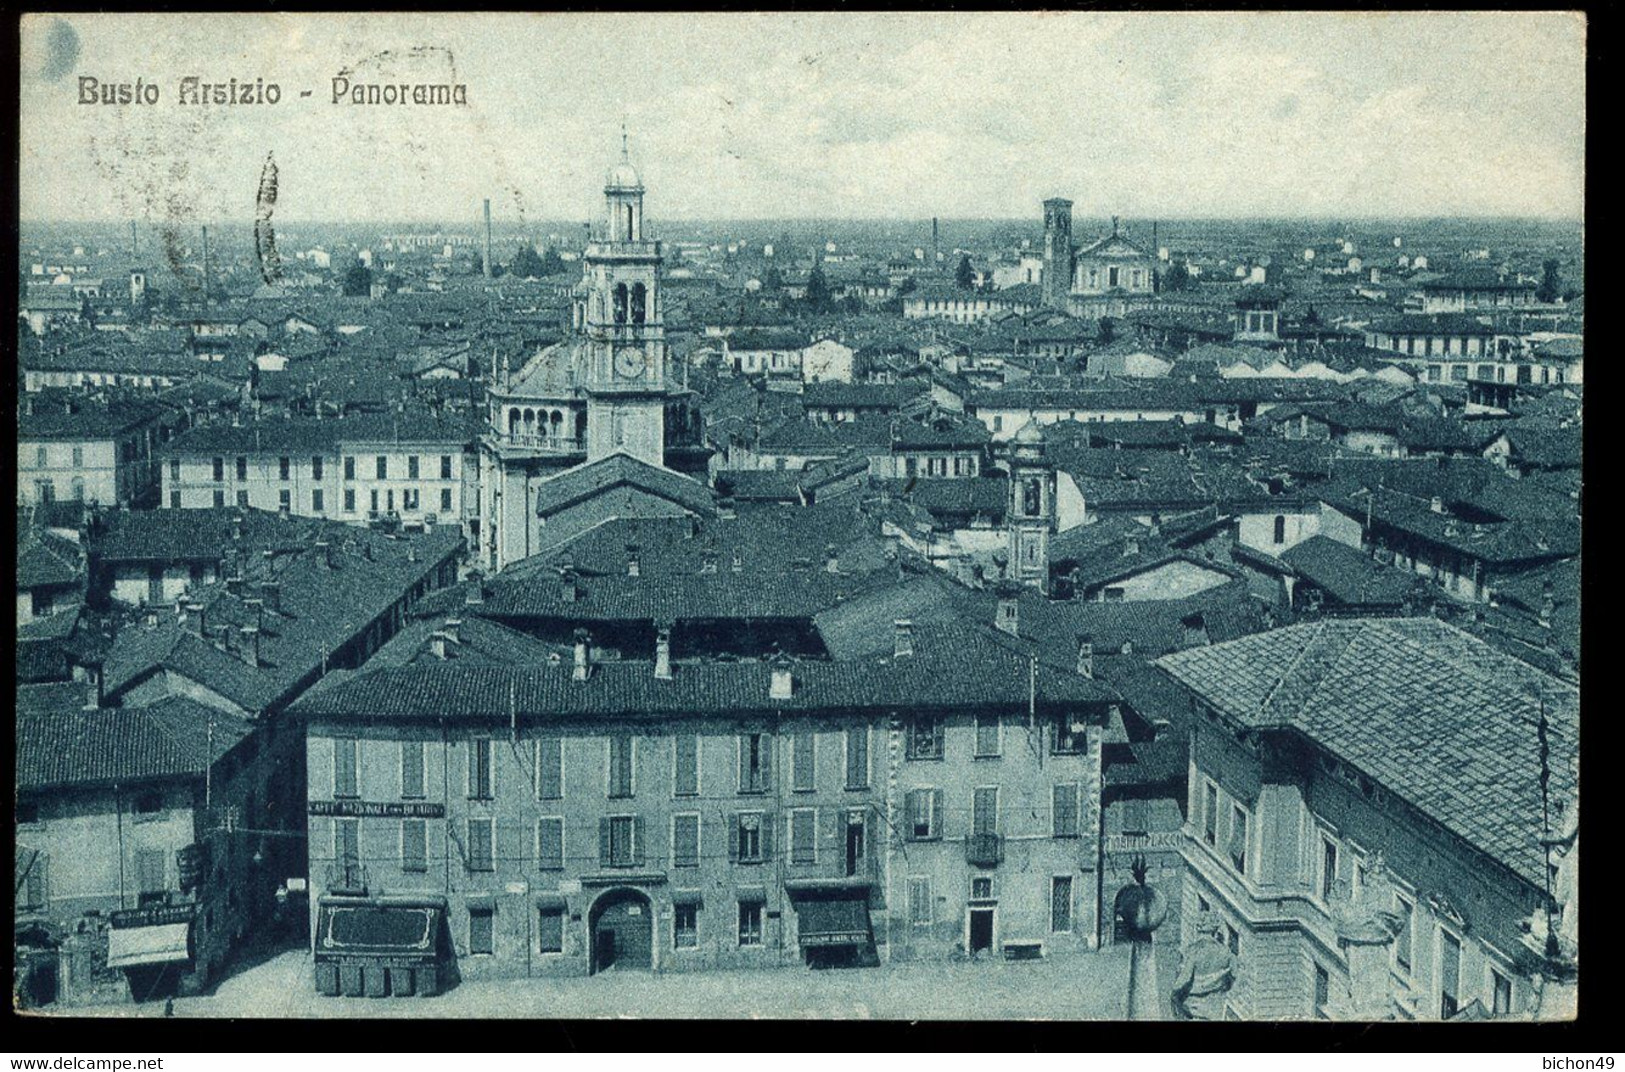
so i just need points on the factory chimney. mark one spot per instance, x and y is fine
(936, 251)
(488, 238)
(205, 266)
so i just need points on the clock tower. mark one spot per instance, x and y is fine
(625, 331)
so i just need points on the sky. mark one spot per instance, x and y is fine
(828, 115)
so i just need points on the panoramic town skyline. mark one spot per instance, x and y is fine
(766, 117)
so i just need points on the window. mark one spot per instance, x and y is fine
(1402, 941)
(349, 468)
(445, 500)
(242, 499)
(318, 503)
(31, 885)
(219, 499)
(381, 467)
(1449, 974)
(1060, 904)
(219, 469)
(412, 781)
(284, 499)
(924, 814)
(347, 841)
(41, 458)
(349, 500)
(445, 467)
(1136, 813)
(284, 468)
(550, 768)
(175, 499)
(857, 757)
(981, 888)
(344, 767)
(242, 468)
(987, 735)
(1328, 868)
(685, 926)
(149, 872)
(1280, 529)
(803, 839)
(1114, 595)
(1069, 738)
(620, 766)
(409, 499)
(924, 738)
(550, 930)
(1500, 994)
(147, 806)
(750, 923)
(481, 850)
(1323, 991)
(685, 840)
(749, 838)
(1065, 810)
(620, 841)
(389, 499)
(175, 469)
(550, 843)
(315, 466)
(1238, 839)
(755, 761)
(919, 900)
(412, 467)
(414, 845)
(985, 810)
(803, 758)
(1210, 816)
(685, 764)
(481, 931)
(479, 770)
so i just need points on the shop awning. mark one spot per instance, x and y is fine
(833, 921)
(378, 929)
(131, 947)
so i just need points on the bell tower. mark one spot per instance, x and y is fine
(1030, 517)
(625, 328)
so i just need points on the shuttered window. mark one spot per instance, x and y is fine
(479, 770)
(1449, 974)
(924, 814)
(620, 841)
(857, 757)
(344, 767)
(414, 845)
(750, 838)
(481, 931)
(685, 841)
(804, 757)
(549, 768)
(347, 841)
(987, 735)
(550, 930)
(411, 769)
(550, 843)
(924, 740)
(755, 762)
(1060, 904)
(803, 836)
(1066, 810)
(481, 850)
(985, 811)
(919, 901)
(686, 765)
(149, 870)
(620, 766)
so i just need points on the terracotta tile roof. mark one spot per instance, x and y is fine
(622, 470)
(1435, 715)
(1349, 575)
(60, 743)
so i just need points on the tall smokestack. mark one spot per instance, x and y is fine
(134, 249)
(205, 266)
(936, 252)
(488, 238)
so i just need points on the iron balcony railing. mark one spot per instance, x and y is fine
(984, 850)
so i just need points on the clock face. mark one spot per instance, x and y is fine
(630, 363)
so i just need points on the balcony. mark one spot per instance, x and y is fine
(984, 850)
(545, 443)
(347, 878)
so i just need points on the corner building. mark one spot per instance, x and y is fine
(561, 819)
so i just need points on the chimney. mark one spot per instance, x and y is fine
(832, 561)
(488, 238)
(437, 644)
(569, 592)
(452, 629)
(663, 653)
(194, 619)
(634, 568)
(1548, 605)
(271, 595)
(1086, 656)
(725, 508)
(476, 593)
(234, 584)
(903, 638)
(583, 665)
(257, 606)
(250, 648)
(781, 682)
(324, 554)
(1009, 613)
(708, 562)
(738, 563)
(1131, 547)
(1436, 504)
(1195, 630)
(95, 686)
(237, 527)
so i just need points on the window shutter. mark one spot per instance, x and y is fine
(637, 841)
(834, 832)
(603, 843)
(936, 813)
(744, 761)
(768, 821)
(549, 768)
(805, 752)
(767, 761)
(733, 839)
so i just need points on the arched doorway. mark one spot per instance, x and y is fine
(621, 926)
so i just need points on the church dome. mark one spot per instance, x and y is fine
(1029, 435)
(623, 176)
